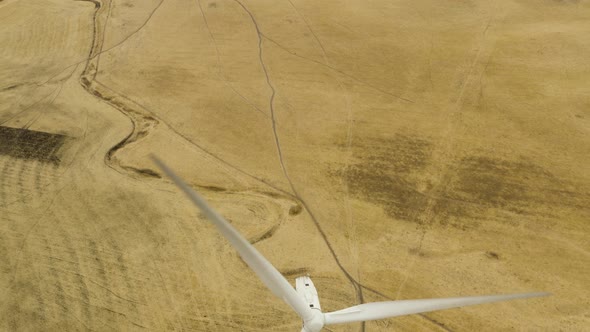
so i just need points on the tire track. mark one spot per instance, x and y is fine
(29, 169)
(272, 96)
(97, 259)
(339, 71)
(220, 71)
(21, 313)
(22, 191)
(5, 174)
(350, 123)
(446, 153)
(27, 108)
(96, 53)
(325, 56)
(55, 260)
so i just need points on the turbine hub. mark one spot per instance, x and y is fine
(316, 323)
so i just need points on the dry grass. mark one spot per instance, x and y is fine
(391, 150)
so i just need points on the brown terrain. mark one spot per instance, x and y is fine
(389, 149)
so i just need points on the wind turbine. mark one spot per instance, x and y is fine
(304, 298)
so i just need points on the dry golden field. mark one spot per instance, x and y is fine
(389, 149)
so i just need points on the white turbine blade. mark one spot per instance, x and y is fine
(380, 310)
(270, 276)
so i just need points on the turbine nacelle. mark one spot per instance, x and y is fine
(307, 291)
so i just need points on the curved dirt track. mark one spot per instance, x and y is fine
(390, 151)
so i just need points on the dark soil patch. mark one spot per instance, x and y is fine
(30, 144)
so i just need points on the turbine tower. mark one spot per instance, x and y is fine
(304, 298)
